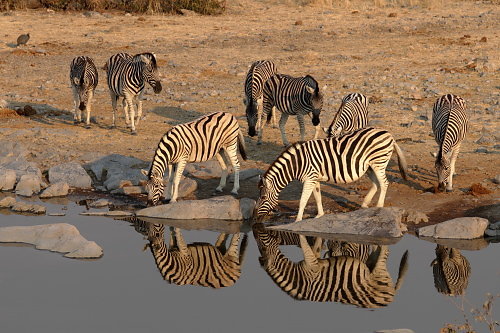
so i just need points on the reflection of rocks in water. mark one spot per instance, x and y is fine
(343, 278)
(451, 271)
(199, 264)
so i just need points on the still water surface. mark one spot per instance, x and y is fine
(125, 292)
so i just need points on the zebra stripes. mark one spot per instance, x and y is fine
(335, 160)
(449, 124)
(352, 115)
(197, 141)
(341, 279)
(451, 271)
(198, 264)
(292, 96)
(127, 77)
(349, 249)
(84, 78)
(260, 71)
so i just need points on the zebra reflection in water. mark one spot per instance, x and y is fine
(451, 271)
(341, 279)
(198, 264)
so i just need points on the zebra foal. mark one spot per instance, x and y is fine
(127, 77)
(260, 71)
(449, 124)
(84, 78)
(196, 141)
(292, 97)
(352, 115)
(335, 160)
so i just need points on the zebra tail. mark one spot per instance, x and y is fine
(401, 161)
(241, 145)
(403, 269)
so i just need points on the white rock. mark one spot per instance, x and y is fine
(7, 179)
(459, 228)
(55, 190)
(59, 237)
(71, 173)
(100, 203)
(28, 185)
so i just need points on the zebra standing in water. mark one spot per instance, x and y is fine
(451, 271)
(259, 72)
(335, 160)
(352, 115)
(84, 77)
(292, 96)
(342, 279)
(197, 141)
(199, 264)
(449, 124)
(127, 77)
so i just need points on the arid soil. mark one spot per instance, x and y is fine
(402, 58)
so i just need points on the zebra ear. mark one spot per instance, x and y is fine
(145, 59)
(310, 89)
(144, 172)
(245, 101)
(76, 81)
(433, 154)
(325, 129)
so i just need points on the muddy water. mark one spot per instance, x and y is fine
(125, 292)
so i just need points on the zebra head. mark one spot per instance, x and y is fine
(267, 201)
(83, 91)
(150, 71)
(251, 113)
(154, 186)
(316, 99)
(443, 170)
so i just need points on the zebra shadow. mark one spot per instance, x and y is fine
(176, 115)
(45, 113)
(362, 267)
(198, 264)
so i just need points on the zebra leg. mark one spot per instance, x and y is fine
(232, 250)
(273, 111)
(76, 100)
(180, 242)
(283, 120)
(220, 243)
(259, 113)
(232, 154)
(317, 130)
(373, 189)
(317, 247)
(88, 108)
(139, 110)
(178, 173)
(171, 173)
(300, 119)
(114, 100)
(130, 103)
(306, 193)
(309, 256)
(383, 182)
(223, 176)
(125, 111)
(317, 197)
(454, 155)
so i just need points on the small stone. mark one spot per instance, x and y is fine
(299, 22)
(247, 206)
(7, 179)
(60, 189)
(127, 190)
(459, 228)
(23, 207)
(7, 202)
(492, 233)
(483, 40)
(100, 203)
(392, 15)
(117, 213)
(28, 185)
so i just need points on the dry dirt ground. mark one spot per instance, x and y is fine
(402, 57)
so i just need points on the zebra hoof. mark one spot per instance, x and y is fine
(259, 143)
(112, 127)
(165, 201)
(449, 190)
(87, 126)
(134, 132)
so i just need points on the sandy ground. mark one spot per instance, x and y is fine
(403, 58)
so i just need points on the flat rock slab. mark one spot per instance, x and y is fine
(377, 222)
(23, 207)
(217, 208)
(58, 237)
(71, 173)
(459, 228)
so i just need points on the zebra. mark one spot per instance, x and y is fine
(127, 77)
(341, 279)
(335, 160)
(451, 271)
(352, 115)
(199, 264)
(196, 141)
(84, 78)
(449, 124)
(349, 249)
(292, 96)
(257, 75)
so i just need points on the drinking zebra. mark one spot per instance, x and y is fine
(257, 75)
(84, 77)
(196, 141)
(349, 249)
(449, 124)
(198, 264)
(451, 271)
(292, 96)
(127, 77)
(335, 160)
(352, 115)
(341, 279)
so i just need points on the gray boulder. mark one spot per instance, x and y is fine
(376, 221)
(204, 170)
(492, 231)
(246, 174)
(71, 173)
(218, 208)
(247, 206)
(459, 228)
(60, 189)
(59, 237)
(28, 185)
(7, 179)
(13, 156)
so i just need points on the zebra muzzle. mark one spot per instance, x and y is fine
(157, 87)
(82, 106)
(251, 131)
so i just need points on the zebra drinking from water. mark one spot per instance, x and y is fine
(84, 77)
(196, 141)
(292, 96)
(449, 124)
(260, 71)
(352, 115)
(451, 271)
(335, 160)
(343, 279)
(127, 77)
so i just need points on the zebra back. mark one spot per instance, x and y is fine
(451, 271)
(449, 122)
(352, 115)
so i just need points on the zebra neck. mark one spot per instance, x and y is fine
(161, 160)
(282, 172)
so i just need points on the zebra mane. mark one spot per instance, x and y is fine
(312, 83)
(150, 55)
